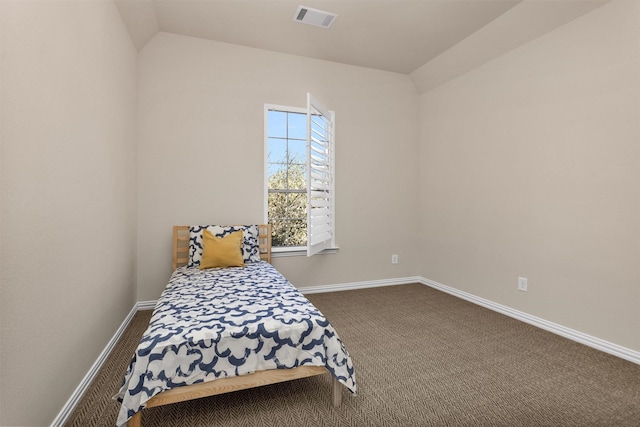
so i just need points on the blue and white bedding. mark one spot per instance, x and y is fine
(219, 323)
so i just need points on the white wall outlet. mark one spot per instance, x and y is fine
(522, 284)
(394, 259)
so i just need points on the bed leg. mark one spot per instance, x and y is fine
(337, 393)
(136, 420)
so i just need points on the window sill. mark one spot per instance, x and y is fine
(298, 251)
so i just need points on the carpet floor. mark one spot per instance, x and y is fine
(422, 358)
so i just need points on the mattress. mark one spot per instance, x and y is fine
(219, 323)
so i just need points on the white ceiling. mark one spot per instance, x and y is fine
(401, 36)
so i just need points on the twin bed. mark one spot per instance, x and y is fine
(219, 328)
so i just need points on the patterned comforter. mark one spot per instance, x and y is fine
(219, 323)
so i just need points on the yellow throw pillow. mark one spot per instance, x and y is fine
(221, 251)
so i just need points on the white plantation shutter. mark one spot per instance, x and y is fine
(320, 177)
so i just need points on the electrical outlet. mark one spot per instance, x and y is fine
(522, 284)
(394, 259)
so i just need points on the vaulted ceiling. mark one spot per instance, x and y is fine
(403, 36)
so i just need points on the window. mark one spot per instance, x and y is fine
(299, 177)
(320, 177)
(287, 176)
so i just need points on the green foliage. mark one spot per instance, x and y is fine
(287, 208)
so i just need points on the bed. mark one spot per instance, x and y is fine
(228, 328)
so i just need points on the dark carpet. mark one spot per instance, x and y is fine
(422, 358)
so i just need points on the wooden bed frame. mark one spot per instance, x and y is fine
(243, 382)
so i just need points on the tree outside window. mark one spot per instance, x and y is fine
(287, 178)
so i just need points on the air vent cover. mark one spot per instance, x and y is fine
(318, 18)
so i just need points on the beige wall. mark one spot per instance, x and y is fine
(201, 154)
(67, 203)
(529, 166)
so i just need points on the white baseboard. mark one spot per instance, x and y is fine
(588, 340)
(360, 285)
(146, 305)
(89, 377)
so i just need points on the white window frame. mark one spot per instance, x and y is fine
(330, 246)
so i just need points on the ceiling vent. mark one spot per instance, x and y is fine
(318, 18)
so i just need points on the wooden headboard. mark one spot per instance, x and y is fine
(181, 244)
